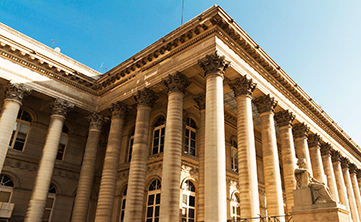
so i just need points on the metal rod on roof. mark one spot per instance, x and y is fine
(182, 12)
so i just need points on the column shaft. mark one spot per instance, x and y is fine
(331, 180)
(350, 194)
(247, 163)
(9, 114)
(300, 131)
(356, 191)
(86, 177)
(38, 198)
(111, 164)
(341, 189)
(215, 166)
(169, 208)
(317, 168)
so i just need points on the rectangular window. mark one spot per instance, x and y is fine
(61, 148)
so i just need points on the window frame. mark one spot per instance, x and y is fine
(52, 196)
(15, 133)
(154, 192)
(186, 192)
(161, 137)
(7, 189)
(188, 137)
(234, 156)
(235, 207)
(130, 145)
(63, 134)
(123, 204)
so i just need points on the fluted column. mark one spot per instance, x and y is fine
(356, 190)
(111, 164)
(358, 174)
(201, 103)
(284, 120)
(351, 197)
(37, 202)
(314, 143)
(328, 168)
(341, 189)
(138, 166)
(300, 131)
(86, 177)
(214, 67)
(14, 95)
(247, 165)
(169, 205)
(266, 105)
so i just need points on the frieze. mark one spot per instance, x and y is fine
(176, 83)
(284, 118)
(154, 168)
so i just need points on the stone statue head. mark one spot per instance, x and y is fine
(301, 163)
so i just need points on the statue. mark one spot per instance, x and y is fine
(320, 192)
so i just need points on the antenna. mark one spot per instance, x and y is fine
(53, 43)
(101, 67)
(182, 12)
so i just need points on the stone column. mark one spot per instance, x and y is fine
(341, 189)
(351, 197)
(300, 131)
(328, 168)
(138, 166)
(358, 174)
(214, 67)
(284, 120)
(37, 202)
(86, 177)
(314, 143)
(356, 190)
(111, 164)
(201, 103)
(14, 95)
(266, 105)
(172, 158)
(247, 165)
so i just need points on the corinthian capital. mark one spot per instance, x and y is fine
(326, 149)
(176, 83)
(284, 118)
(314, 140)
(200, 100)
(146, 97)
(353, 169)
(345, 163)
(214, 64)
(335, 156)
(61, 107)
(119, 110)
(242, 86)
(300, 130)
(265, 104)
(17, 92)
(95, 121)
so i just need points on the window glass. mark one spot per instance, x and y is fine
(153, 202)
(235, 207)
(234, 155)
(188, 202)
(131, 142)
(62, 143)
(122, 208)
(49, 205)
(20, 131)
(158, 135)
(190, 137)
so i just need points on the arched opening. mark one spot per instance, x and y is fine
(188, 202)
(153, 201)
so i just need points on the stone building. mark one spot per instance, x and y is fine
(202, 125)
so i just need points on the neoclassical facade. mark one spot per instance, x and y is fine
(200, 126)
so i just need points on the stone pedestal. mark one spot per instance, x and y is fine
(305, 210)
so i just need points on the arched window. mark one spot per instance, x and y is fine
(21, 130)
(190, 137)
(122, 208)
(131, 142)
(62, 143)
(158, 135)
(50, 202)
(235, 207)
(153, 202)
(188, 202)
(234, 155)
(6, 188)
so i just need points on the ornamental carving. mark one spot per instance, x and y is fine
(95, 121)
(61, 107)
(345, 163)
(200, 99)
(176, 83)
(335, 156)
(146, 97)
(284, 118)
(326, 149)
(314, 140)
(300, 130)
(119, 110)
(242, 86)
(265, 104)
(214, 64)
(352, 168)
(15, 91)
(358, 173)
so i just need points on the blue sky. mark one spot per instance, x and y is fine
(318, 43)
